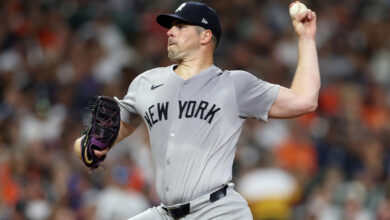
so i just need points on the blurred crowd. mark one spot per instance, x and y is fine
(55, 56)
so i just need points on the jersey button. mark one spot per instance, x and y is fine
(172, 134)
(167, 189)
(168, 161)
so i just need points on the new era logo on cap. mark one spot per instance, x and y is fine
(195, 13)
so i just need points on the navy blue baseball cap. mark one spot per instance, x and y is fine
(194, 13)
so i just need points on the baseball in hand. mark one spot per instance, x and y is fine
(297, 8)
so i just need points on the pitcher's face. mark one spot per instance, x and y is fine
(183, 40)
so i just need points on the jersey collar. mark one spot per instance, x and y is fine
(204, 75)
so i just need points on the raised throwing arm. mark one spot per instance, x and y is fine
(302, 96)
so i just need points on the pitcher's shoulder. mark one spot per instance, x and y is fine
(155, 71)
(239, 75)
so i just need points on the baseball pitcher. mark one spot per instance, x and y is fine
(194, 112)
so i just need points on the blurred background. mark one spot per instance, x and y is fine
(55, 56)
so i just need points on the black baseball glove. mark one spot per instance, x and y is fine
(102, 131)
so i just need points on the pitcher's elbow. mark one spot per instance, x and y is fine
(309, 105)
(312, 106)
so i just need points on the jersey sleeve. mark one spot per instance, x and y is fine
(127, 105)
(254, 96)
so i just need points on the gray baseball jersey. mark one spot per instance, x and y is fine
(194, 125)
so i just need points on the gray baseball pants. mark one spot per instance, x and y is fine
(232, 206)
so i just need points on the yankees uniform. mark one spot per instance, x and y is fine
(194, 123)
(194, 126)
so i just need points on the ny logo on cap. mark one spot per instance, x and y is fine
(180, 7)
(204, 21)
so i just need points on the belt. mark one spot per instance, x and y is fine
(182, 210)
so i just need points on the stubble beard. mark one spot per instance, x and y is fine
(173, 56)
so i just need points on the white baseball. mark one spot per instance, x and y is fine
(297, 8)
